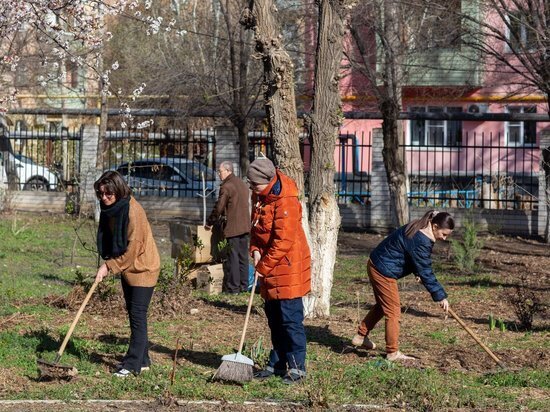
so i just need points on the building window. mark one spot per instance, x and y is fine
(436, 132)
(521, 32)
(520, 133)
(72, 75)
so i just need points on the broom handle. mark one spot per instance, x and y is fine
(473, 335)
(248, 310)
(77, 317)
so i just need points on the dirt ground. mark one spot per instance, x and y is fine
(503, 261)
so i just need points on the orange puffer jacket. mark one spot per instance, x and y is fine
(278, 235)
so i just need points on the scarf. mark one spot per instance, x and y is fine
(112, 233)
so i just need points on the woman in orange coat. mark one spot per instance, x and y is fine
(281, 256)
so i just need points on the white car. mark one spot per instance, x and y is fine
(31, 175)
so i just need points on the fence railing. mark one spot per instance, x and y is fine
(167, 162)
(482, 171)
(352, 158)
(42, 159)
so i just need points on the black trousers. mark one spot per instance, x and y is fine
(137, 303)
(235, 268)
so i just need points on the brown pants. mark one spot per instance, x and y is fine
(387, 305)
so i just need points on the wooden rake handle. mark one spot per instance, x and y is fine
(75, 321)
(476, 338)
(248, 310)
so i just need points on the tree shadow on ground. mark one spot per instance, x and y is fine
(207, 359)
(322, 335)
(232, 307)
(337, 344)
(488, 283)
(56, 279)
(111, 339)
(46, 342)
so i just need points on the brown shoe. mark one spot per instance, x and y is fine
(398, 356)
(363, 342)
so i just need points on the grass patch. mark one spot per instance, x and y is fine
(518, 379)
(38, 260)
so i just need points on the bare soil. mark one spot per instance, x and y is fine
(503, 261)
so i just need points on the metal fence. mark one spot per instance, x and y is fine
(164, 162)
(42, 159)
(482, 171)
(352, 157)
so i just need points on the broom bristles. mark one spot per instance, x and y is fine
(234, 372)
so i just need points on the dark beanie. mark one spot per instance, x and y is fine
(261, 171)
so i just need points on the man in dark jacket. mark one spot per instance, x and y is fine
(233, 212)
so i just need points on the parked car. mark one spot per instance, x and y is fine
(32, 176)
(168, 176)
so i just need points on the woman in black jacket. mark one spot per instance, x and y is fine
(407, 250)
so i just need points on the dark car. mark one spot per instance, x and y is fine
(168, 176)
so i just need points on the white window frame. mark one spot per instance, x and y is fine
(517, 124)
(431, 125)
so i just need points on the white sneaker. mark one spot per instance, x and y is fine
(143, 368)
(122, 373)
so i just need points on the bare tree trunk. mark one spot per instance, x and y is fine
(242, 131)
(278, 84)
(390, 106)
(7, 156)
(325, 121)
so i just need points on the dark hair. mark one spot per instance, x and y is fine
(442, 219)
(114, 183)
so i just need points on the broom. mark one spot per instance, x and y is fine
(237, 367)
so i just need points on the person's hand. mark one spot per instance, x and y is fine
(256, 255)
(101, 273)
(259, 275)
(444, 305)
(207, 227)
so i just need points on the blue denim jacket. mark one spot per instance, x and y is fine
(398, 256)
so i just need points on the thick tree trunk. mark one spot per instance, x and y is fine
(325, 121)
(390, 106)
(278, 84)
(395, 162)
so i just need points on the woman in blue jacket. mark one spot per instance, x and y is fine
(407, 250)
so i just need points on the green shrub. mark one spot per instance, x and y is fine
(466, 251)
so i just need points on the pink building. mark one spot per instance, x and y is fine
(466, 161)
